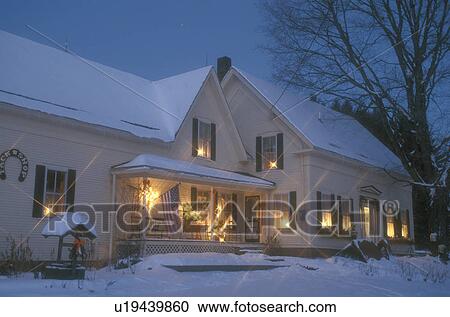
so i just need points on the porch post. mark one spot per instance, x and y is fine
(111, 219)
(211, 211)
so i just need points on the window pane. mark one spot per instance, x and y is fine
(50, 181)
(390, 227)
(204, 140)
(346, 223)
(327, 220)
(54, 203)
(281, 206)
(203, 200)
(405, 232)
(269, 152)
(60, 182)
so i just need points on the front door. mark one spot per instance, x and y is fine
(370, 212)
(251, 219)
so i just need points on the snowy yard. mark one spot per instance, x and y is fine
(402, 276)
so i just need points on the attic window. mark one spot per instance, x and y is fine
(269, 152)
(204, 139)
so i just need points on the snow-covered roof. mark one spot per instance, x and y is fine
(71, 223)
(53, 81)
(159, 166)
(324, 128)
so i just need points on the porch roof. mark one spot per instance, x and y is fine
(166, 168)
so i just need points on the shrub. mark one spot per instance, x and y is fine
(273, 243)
(17, 257)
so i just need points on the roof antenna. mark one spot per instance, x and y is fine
(206, 59)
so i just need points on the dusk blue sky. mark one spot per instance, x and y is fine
(153, 39)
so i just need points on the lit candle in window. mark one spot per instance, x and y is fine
(326, 220)
(200, 151)
(390, 230)
(273, 164)
(47, 211)
(404, 231)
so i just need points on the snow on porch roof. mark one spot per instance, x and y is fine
(53, 81)
(163, 166)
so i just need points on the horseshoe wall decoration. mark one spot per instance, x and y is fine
(20, 156)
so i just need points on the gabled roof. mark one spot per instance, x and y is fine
(322, 127)
(39, 77)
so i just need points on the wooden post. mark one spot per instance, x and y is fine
(60, 246)
(211, 211)
(111, 220)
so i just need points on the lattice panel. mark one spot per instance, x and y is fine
(146, 248)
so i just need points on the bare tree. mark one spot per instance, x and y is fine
(392, 56)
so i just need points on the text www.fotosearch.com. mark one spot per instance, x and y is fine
(168, 306)
(248, 307)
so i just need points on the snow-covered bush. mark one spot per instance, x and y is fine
(430, 270)
(435, 272)
(407, 270)
(368, 269)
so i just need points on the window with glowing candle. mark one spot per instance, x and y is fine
(204, 139)
(281, 206)
(269, 152)
(55, 187)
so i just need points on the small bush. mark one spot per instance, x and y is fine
(273, 243)
(17, 257)
(435, 272)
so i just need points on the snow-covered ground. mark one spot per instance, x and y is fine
(401, 276)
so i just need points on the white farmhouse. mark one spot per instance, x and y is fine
(215, 162)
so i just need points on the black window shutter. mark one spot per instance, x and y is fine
(213, 141)
(39, 184)
(352, 213)
(319, 208)
(280, 151)
(70, 196)
(194, 198)
(258, 153)
(292, 209)
(385, 220)
(234, 210)
(194, 137)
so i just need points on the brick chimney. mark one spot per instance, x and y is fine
(223, 66)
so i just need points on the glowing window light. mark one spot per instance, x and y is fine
(405, 232)
(390, 230)
(346, 223)
(366, 220)
(48, 211)
(201, 152)
(327, 220)
(273, 165)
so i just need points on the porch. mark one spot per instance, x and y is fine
(185, 203)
